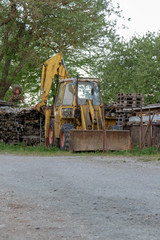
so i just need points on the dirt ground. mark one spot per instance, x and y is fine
(79, 198)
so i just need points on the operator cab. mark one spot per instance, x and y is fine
(77, 92)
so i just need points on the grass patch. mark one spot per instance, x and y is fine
(146, 151)
(21, 149)
(138, 152)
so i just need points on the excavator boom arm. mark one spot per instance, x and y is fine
(51, 67)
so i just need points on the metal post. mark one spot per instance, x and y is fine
(150, 136)
(104, 132)
(77, 91)
(141, 130)
(40, 130)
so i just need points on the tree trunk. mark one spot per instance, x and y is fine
(4, 89)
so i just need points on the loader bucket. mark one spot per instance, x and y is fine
(92, 140)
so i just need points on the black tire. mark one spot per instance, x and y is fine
(64, 136)
(51, 134)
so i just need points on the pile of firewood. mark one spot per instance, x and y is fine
(9, 127)
(25, 125)
(33, 127)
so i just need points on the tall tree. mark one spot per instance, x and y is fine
(132, 67)
(31, 31)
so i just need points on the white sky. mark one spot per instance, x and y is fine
(144, 14)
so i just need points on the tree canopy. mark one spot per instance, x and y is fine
(132, 67)
(31, 31)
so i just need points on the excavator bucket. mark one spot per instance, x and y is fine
(97, 140)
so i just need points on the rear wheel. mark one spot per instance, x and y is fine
(64, 135)
(51, 134)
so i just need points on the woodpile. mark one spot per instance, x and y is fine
(25, 125)
(9, 127)
(5, 103)
(33, 123)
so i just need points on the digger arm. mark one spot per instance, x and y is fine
(51, 67)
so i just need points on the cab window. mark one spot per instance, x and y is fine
(88, 91)
(68, 94)
(60, 95)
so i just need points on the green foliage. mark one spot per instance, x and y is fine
(33, 31)
(132, 67)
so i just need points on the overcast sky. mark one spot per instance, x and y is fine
(144, 14)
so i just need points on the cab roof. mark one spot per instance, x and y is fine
(79, 79)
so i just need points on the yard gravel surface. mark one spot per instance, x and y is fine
(79, 198)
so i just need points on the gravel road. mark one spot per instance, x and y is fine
(79, 198)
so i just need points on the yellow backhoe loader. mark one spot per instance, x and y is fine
(76, 120)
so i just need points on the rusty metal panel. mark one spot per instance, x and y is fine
(92, 140)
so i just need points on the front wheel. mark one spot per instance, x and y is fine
(64, 135)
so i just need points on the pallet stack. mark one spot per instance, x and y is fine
(127, 101)
(130, 100)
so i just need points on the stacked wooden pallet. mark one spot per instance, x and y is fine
(122, 117)
(127, 101)
(130, 100)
